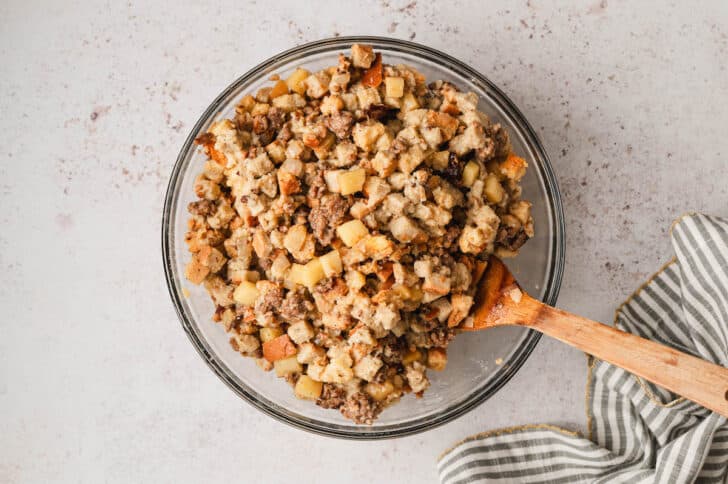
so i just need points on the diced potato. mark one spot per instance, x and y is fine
(307, 275)
(279, 348)
(332, 180)
(352, 181)
(411, 356)
(276, 151)
(267, 334)
(312, 273)
(331, 263)
(287, 366)
(470, 173)
(379, 391)
(394, 86)
(308, 388)
(279, 88)
(493, 189)
(436, 359)
(246, 293)
(352, 232)
(295, 81)
(439, 160)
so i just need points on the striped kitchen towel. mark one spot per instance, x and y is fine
(638, 432)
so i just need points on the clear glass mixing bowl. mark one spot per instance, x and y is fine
(472, 374)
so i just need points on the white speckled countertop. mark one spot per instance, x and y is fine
(98, 383)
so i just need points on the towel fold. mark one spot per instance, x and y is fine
(638, 432)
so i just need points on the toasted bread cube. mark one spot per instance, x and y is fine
(287, 366)
(295, 81)
(379, 391)
(436, 358)
(352, 181)
(307, 388)
(493, 190)
(352, 232)
(247, 103)
(362, 55)
(309, 353)
(513, 167)
(331, 263)
(300, 332)
(195, 272)
(246, 293)
(367, 367)
(470, 173)
(279, 88)
(394, 86)
(279, 348)
(355, 280)
(295, 238)
(267, 334)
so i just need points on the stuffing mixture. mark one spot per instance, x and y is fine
(343, 218)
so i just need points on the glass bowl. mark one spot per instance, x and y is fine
(479, 364)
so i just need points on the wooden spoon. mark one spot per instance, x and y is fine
(500, 301)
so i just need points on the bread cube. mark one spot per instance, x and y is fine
(355, 280)
(309, 353)
(367, 367)
(513, 167)
(362, 56)
(300, 332)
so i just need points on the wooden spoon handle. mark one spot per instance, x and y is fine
(695, 379)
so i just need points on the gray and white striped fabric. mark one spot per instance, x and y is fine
(638, 431)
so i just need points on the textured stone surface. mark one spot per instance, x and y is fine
(97, 381)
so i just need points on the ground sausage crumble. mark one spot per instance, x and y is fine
(343, 217)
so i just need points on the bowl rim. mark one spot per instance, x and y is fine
(519, 355)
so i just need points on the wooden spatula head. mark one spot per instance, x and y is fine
(499, 300)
